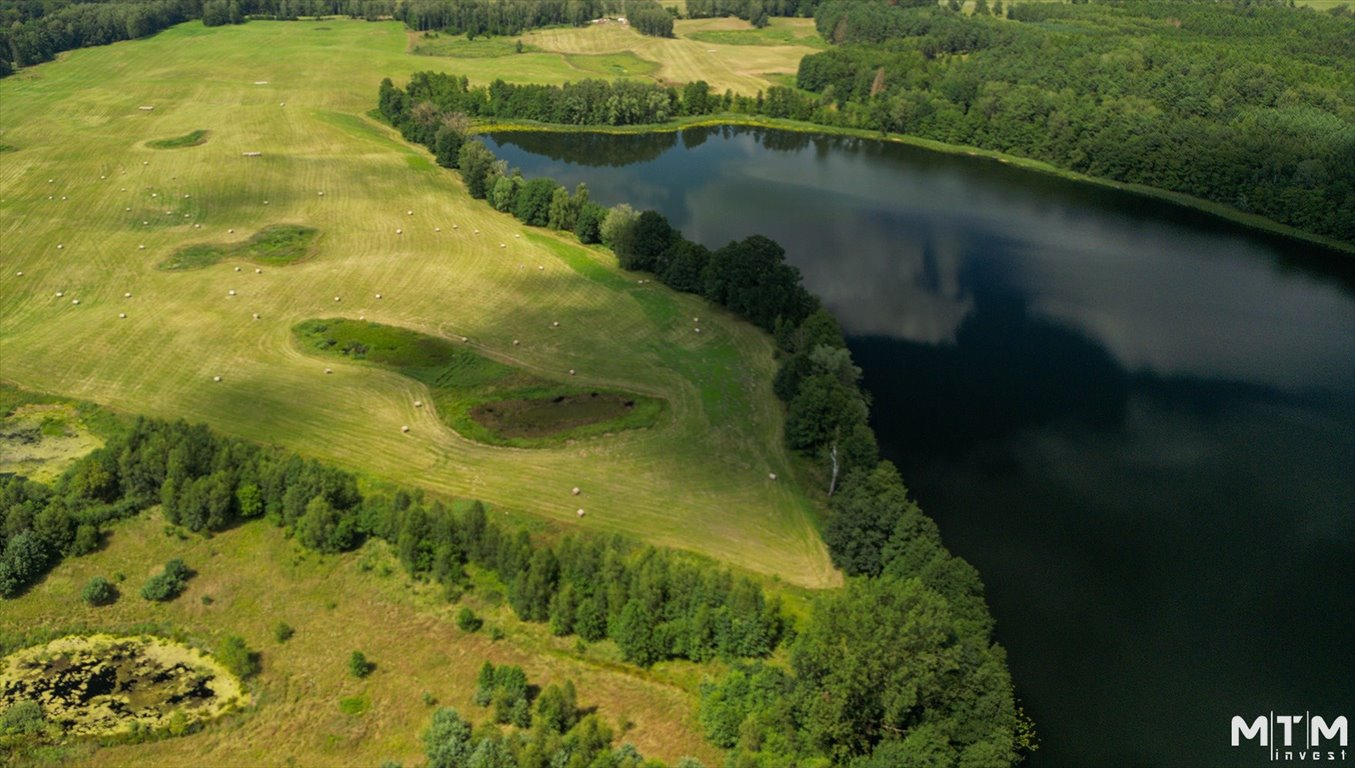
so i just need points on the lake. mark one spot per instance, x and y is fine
(1135, 419)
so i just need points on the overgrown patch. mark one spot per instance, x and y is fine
(483, 399)
(277, 246)
(39, 441)
(104, 685)
(190, 139)
(624, 64)
(461, 48)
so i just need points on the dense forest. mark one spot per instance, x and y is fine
(1246, 103)
(925, 681)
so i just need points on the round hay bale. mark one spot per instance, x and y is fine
(103, 177)
(336, 298)
(145, 162)
(127, 295)
(321, 194)
(141, 247)
(477, 231)
(576, 491)
(231, 292)
(197, 226)
(122, 315)
(186, 197)
(378, 295)
(145, 222)
(265, 202)
(75, 301)
(555, 324)
(540, 267)
(515, 342)
(51, 181)
(216, 378)
(399, 231)
(59, 294)
(404, 428)
(571, 371)
(696, 319)
(19, 273)
(418, 403)
(256, 315)
(126, 210)
(282, 104)
(580, 513)
(237, 269)
(437, 229)
(456, 226)
(516, 235)
(230, 231)
(155, 194)
(59, 246)
(411, 213)
(698, 330)
(329, 371)
(771, 476)
(503, 245)
(464, 339)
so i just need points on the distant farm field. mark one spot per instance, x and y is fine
(89, 211)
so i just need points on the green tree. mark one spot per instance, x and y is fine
(447, 742)
(358, 665)
(99, 591)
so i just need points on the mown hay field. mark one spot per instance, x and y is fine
(89, 211)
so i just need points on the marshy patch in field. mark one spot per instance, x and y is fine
(190, 139)
(480, 398)
(545, 416)
(96, 685)
(278, 245)
(40, 440)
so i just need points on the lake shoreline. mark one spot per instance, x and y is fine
(1218, 210)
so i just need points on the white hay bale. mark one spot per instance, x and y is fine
(19, 273)
(329, 370)
(282, 104)
(145, 162)
(696, 319)
(516, 235)
(237, 269)
(265, 202)
(252, 154)
(216, 378)
(571, 371)
(362, 317)
(49, 197)
(576, 491)
(418, 403)
(63, 197)
(503, 245)
(75, 301)
(124, 189)
(258, 271)
(146, 107)
(155, 194)
(321, 194)
(230, 231)
(187, 215)
(141, 247)
(197, 226)
(127, 295)
(555, 324)
(232, 292)
(437, 229)
(59, 294)
(404, 428)
(464, 339)
(399, 231)
(771, 476)
(122, 315)
(256, 315)
(698, 330)
(185, 197)
(378, 295)
(411, 213)
(145, 222)
(127, 210)
(580, 513)
(456, 226)
(59, 246)
(261, 82)
(51, 181)
(477, 231)
(103, 177)
(515, 342)
(336, 298)
(540, 267)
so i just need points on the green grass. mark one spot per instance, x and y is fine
(698, 480)
(355, 705)
(460, 48)
(463, 383)
(191, 139)
(776, 34)
(278, 245)
(618, 65)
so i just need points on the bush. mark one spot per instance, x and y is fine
(23, 717)
(168, 584)
(235, 656)
(99, 591)
(467, 620)
(283, 632)
(359, 666)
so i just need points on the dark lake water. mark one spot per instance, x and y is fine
(1136, 420)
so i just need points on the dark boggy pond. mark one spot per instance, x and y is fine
(1135, 419)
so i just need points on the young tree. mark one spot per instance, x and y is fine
(235, 656)
(359, 666)
(99, 591)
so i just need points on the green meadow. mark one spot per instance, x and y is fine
(89, 210)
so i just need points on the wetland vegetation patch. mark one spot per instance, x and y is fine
(276, 246)
(480, 398)
(99, 685)
(190, 139)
